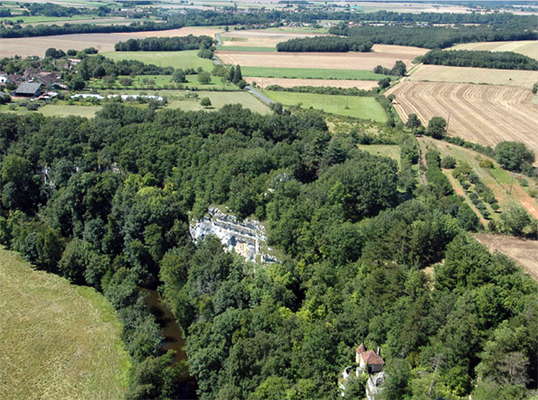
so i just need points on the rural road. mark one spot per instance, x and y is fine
(264, 99)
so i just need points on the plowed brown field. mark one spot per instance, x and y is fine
(478, 113)
(384, 55)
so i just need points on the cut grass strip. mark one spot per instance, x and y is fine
(311, 73)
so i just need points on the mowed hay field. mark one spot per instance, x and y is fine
(441, 73)
(176, 59)
(385, 55)
(57, 340)
(264, 82)
(261, 38)
(36, 46)
(528, 48)
(525, 252)
(311, 73)
(479, 113)
(349, 106)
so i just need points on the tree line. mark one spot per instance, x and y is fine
(51, 10)
(433, 37)
(325, 44)
(179, 43)
(482, 59)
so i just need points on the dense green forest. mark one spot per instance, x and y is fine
(52, 10)
(432, 37)
(482, 59)
(325, 44)
(179, 43)
(366, 254)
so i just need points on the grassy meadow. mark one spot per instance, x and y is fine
(249, 48)
(57, 340)
(176, 59)
(180, 100)
(384, 150)
(310, 73)
(349, 106)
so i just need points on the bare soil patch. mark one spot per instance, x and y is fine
(285, 82)
(478, 113)
(525, 252)
(385, 55)
(508, 77)
(36, 46)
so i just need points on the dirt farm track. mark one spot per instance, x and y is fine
(484, 114)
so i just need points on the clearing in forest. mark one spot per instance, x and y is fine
(57, 340)
(349, 106)
(489, 76)
(478, 113)
(525, 252)
(385, 55)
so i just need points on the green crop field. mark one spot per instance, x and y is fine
(310, 73)
(57, 340)
(176, 59)
(349, 106)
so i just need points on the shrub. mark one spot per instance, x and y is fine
(485, 163)
(513, 155)
(204, 78)
(448, 162)
(205, 102)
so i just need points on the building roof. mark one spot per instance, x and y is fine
(369, 356)
(28, 88)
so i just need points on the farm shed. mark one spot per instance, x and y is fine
(28, 89)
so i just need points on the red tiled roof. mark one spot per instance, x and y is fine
(370, 357)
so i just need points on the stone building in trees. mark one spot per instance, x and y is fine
(367, 363)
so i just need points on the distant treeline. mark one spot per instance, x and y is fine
(481, 59)
(51, 10)
(510, 22)
(434, 37)
(5, 12)
(325, 44)
(166, 44)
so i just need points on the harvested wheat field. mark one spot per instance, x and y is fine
(262, 38)
(478, 113)
(384, 55)
(441, 73)
(287, 83)
(528, 48)
(36, 46)
(525, 252)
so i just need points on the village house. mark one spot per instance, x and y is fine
(28, 89)
(370, 363)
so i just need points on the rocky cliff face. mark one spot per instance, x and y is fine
(247, 238)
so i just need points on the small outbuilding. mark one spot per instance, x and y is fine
(28, 89)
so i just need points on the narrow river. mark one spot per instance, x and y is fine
(170, 329)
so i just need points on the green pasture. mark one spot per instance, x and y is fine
(349, 106)
(177, 59)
